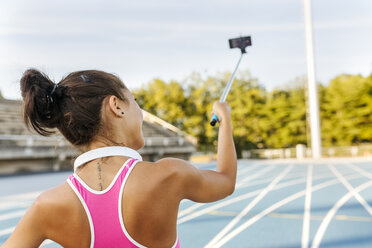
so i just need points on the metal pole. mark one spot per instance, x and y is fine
(227, 89)
(228, 86)
(313, 89)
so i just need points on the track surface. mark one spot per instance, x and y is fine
(277, 203)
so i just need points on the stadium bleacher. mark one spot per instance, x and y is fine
(23, 150)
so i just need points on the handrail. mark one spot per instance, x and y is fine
(154, 119)
(30, 139)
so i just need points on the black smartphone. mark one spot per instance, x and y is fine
(241, 42)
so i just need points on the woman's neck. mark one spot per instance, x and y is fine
(99, 143)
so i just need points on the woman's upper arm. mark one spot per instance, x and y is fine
(30, 231)
(199, 185)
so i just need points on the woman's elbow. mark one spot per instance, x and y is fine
(231, 189)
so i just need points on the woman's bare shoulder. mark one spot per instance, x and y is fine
(164, 167)
(175, 165)
(152, 175)
(58, 201)
(56, 195)
(169, 173)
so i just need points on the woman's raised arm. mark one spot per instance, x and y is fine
(209, 185)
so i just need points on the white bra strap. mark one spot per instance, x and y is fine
(106, 152)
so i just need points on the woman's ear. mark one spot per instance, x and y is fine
(115, 106)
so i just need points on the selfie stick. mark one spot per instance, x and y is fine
(241, 43)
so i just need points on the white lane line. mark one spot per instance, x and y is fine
(249, 207)
(183, 201)
(360, 170)
(252, 169)
(272, 208)
(324, 225)
(198, 205)
(255, 175)
(46, 242)
(11, 205)
(243, 197)
(267, 179)
(252, 183)
(307, 207)
(12, 215)
(240, 198)
(262, 181)
(356, 195)
(296, 216)
(26, 196)
(18, 201)
(246, 170)
(7, 231)
(216, 206)
(189, 209)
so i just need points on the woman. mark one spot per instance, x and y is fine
(96, 112)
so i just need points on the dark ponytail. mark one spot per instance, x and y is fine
(73, 106)
(41, 97)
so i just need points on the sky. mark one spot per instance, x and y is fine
(142, 40)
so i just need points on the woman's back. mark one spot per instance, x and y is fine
(149, 205)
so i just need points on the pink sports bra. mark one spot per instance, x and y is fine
(103, 208)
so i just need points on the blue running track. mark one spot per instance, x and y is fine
(276, 203)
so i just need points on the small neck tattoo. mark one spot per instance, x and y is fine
(99, 175)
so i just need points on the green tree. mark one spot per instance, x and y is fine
(347, 111)
(202, 92)
(247, 100)
(165, 100)
(260, 118)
